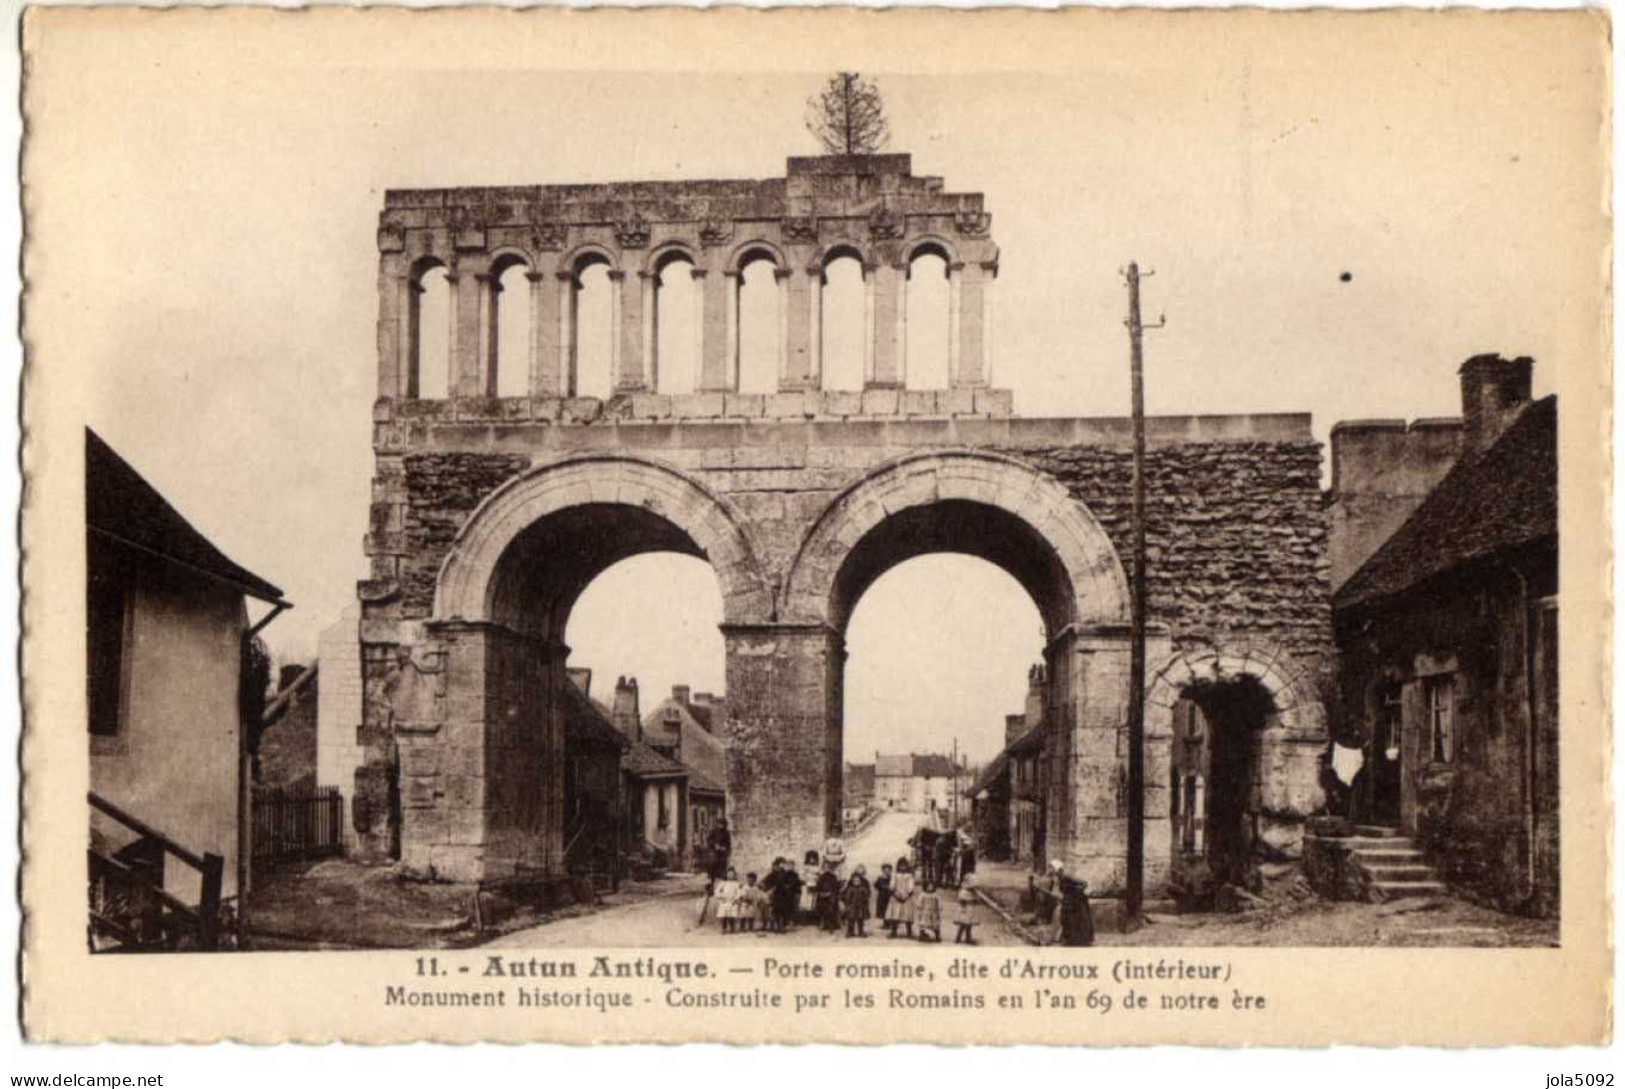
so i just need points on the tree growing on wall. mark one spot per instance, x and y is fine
(848, 117)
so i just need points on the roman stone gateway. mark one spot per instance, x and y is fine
(491, 515)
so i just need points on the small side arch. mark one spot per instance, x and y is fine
(667, 252)
(930, 244)
(1282, 678)
(746, 252)
(504, 258)
(589, 253)
(846, 247)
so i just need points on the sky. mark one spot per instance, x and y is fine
(1335, 221)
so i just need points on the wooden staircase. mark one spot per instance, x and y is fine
(1392, 864)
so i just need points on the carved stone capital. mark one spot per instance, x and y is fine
(973, 224)
(715, 232)
(547, 236)
(885, 224)
(802, 229)
(633, 232)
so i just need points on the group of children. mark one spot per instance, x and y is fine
(819, 895)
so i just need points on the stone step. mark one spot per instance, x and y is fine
(1390, 890)
(1380, 855)
(1358, 844)
(1406, 874)
(1376, 831)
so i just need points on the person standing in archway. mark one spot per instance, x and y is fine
(943, 873)
(720, 844)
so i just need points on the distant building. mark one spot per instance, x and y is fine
(914, 782)
(285, 755)
(686, 727)
(1448, 635)
(1008, 799)
(670, 805)
(858, 786)
(338, 712)
(172, 699)
(594, 789)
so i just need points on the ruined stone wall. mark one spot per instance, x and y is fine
(1235, 537)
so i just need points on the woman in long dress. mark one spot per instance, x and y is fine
(900, 909)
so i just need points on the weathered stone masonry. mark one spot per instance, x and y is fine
(490, 516)
(1236, 537)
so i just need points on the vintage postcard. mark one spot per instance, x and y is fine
(848, 526)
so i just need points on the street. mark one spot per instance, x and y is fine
(672, 920)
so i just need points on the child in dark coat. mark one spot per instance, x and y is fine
(829, 897)
(855, 906)
(786, 895)
(882, 891)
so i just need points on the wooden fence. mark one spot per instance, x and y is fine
(297, 824)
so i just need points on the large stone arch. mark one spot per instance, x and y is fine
(1097, 591)
(467, 585)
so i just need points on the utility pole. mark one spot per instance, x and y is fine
(1134, 900)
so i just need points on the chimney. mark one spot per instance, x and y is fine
(624, 711)
(1037, 682)
(679, 692)
(1493, 391)
(581, 678)
(1014, 727)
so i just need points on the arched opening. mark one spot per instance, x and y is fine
(509, 329)
(428, 374)
(939, 655)
(930, 596)
(592, 328)
(659, 675)
(1218, 728)
(842, 327)
(676, 364)
(928, 319)
(761, 329)
(1004, 512)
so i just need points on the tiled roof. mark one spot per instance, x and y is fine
(991, 774)
(932, 765)
(1029, 742)
(643, 762)
(701, 783)
(122, 506)
(894, 764)
(1487, 504)
(587, 722)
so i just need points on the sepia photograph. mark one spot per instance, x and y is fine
(1111, 503)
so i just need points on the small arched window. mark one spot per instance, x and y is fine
(592, 325)
(510, 329)
(761, 332)
(675, 367)
(927, 323)
(428, 374)
(842, 323)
